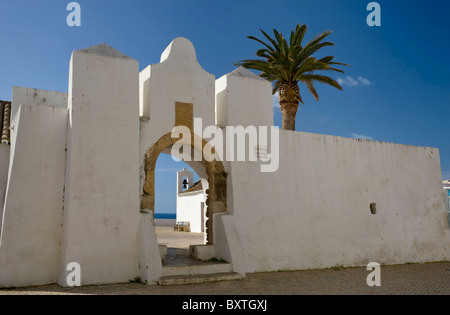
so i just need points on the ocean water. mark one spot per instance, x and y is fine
(165, 216)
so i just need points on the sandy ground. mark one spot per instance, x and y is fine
(173, 239)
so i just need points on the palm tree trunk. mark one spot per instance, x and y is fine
(288, 121)
(289, 97)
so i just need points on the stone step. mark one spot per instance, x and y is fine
(196, 269)
(199, 278)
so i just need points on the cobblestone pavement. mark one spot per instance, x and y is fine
(411, 279)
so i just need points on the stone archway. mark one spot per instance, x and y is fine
(216, 201)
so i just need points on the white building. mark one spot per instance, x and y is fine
(191, 198)
(446, 183)
(80, 179)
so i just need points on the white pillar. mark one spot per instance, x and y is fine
(101, 210)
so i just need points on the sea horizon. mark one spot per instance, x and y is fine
(165, 215)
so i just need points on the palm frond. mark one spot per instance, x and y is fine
(289, 61)
(298, 35)
(261, 42)
(274, 43)
(322, 79)
(275, 87)
(310, 85)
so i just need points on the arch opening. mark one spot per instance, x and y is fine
(210, 169)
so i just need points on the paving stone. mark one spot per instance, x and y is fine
(411, 279)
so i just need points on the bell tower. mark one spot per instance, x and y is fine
(185, 180)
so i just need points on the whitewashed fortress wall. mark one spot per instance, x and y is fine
(78, 188)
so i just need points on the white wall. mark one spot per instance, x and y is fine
(189, 209)
(243, 99)
(4, 169)
(36, 97)
(31, 234)
(314, 212)
(177, 78)
(101, 211)
(447, 203)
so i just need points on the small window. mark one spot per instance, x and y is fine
(373, 208)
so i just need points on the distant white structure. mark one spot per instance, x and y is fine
(446, 183)
(191, 198)
(80, 180)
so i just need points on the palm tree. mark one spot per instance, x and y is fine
(286, 64)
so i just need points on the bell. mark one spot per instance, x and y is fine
(185, 183)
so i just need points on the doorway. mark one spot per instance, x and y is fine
(178, 197)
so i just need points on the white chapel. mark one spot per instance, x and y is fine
(191, 198)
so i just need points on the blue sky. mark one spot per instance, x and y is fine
(397, 90)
